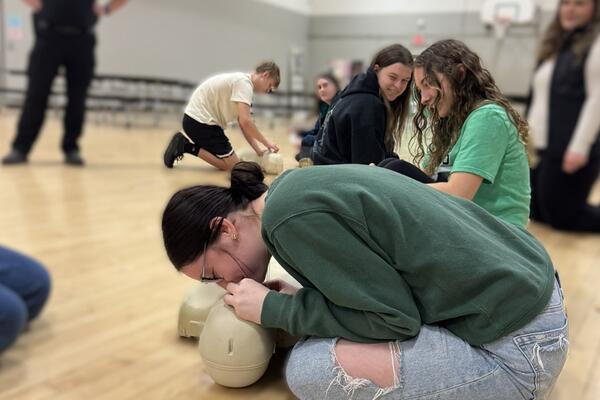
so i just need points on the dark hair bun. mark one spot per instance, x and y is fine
(247, 181)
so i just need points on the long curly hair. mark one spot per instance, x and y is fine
(472, 86)
(555, 36)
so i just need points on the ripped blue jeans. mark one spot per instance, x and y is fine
(436, 364)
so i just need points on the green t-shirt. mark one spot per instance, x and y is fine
(379, 254)
(489, 147)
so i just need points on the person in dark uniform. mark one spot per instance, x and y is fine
(64, 36)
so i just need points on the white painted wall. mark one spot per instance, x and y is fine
(299, 6)
(182, 39)
(357, 7)
(191, 39)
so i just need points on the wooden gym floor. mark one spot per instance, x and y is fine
(109, 329)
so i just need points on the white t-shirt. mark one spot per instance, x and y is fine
(214, 101)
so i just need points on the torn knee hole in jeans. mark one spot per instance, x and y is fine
(350, 384)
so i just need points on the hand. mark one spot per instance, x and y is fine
(246, 298)
(260, 152)
(272, 147)
(36, 5)
(573, 161)
(281, 286)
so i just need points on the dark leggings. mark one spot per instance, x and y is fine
(405, 168)
(560, 199)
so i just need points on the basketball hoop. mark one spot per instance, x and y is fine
(502, 14)
(501, 25)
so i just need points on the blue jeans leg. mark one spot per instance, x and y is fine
(437, 365)
(13, 317)
(27, 278)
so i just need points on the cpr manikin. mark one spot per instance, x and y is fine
(271, 163)
(235, 352)
(195, 308)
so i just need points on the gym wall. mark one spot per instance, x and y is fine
(190, 40)
(182, 39)
(359, 37)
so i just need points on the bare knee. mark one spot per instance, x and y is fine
(376, 362)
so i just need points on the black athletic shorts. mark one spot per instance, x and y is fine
(208, 137)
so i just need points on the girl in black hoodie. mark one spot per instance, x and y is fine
(366, 120)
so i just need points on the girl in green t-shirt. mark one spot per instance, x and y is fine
(465, 122)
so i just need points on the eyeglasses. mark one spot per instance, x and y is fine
(204, 279)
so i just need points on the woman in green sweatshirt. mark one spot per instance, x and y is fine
(406, 291)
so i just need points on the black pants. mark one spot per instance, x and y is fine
(405, 168)
(560, 199)
(52, 50)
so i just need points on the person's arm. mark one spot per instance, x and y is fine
(251, 132)
(482, 149)
(351, 290)
(588, 124)
(109, 7)
(356, 292)
(460, 184)
(367, 134)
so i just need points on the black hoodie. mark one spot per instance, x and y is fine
(354, 129)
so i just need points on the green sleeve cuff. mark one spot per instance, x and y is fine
(273, 310)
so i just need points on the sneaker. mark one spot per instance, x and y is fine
(175, 149)
(14, 157)
(74, 158)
